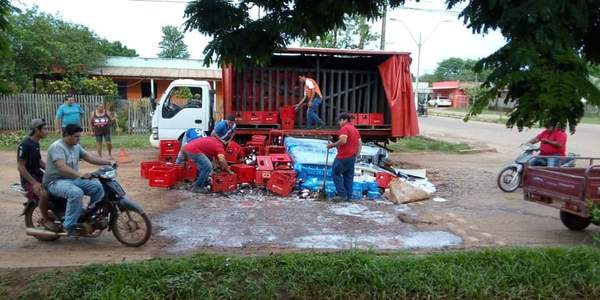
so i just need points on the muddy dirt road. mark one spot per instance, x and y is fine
(475, 214)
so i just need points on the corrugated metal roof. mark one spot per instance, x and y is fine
(157, 68)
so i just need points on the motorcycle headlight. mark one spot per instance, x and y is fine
(112, 174)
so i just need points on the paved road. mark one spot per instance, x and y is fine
(585, 142)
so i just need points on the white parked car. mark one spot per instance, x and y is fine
(440, 102)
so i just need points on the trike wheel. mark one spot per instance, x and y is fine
(574, 222)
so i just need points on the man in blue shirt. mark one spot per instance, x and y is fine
(68, 113)
(190, 135)
(225, 129)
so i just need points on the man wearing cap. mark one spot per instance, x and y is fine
(202, 151)
(225, 129)
(30, 165)
(63, 179)
(348, 146)
(68, 113)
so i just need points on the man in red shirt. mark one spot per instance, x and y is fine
(202, 151)
(553, 142)
(348, 146)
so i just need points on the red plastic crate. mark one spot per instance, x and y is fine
(253, 117)
(354, 119)
(189, 172)
(288, 112)
(168, 158)
(377, 119)
(259, 139)
(280, 184)
(289, 174)
(239, 117)
(262, 176)
(384, 179)
(245, 173)
(223, 183)
(264, 163)
(234, 152)
(281, 161)
(146, 165)
(162, 176)
(364, 119)
(169, 147)
(270, 117)
(287, 124)
(259, 147)
(275, 149)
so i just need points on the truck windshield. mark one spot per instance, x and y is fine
(180, 98)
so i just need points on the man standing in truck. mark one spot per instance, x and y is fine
(349, 145)
(312, 93)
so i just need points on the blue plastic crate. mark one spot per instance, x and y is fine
(373, 195)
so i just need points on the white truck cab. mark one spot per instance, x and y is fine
(185, 104)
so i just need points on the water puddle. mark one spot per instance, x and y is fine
(255, 219)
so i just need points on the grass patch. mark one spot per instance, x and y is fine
(509, 273)
(10, 141)
(421, 143)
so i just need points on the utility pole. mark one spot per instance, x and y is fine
(419, 44)
(383, 21)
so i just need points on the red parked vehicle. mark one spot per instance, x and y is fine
(573, 190)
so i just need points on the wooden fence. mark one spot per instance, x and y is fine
(17, 111)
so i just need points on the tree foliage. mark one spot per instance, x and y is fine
(172, 45)
(455, 68)
(356, 34)
(40, 43)
(116, 49)
(543, 64)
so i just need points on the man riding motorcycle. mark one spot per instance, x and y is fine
(553, 142)
(63, 179)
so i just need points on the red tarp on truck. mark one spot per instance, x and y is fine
(397, 83)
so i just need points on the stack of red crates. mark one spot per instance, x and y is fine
(163, 176)
(270, 117)
(288, 117)
(233, 152)
(168, 150)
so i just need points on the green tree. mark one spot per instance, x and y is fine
(355, 34)
(455, 68)
(543, 64)
(40, 43)
(5, 12)
(116, 49)
(172, 45)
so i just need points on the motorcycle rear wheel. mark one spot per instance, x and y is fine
(506, 181)
(33, 219)
(131, 228)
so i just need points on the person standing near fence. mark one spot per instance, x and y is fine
(68, 113)
(100, 121)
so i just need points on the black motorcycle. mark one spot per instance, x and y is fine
(115, 212)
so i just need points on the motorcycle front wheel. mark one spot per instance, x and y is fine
(34, 219)
(509, 179)
(131, 228)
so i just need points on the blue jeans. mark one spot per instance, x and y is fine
(552, 161)
(343, 176)
(312, 113)
(73, 190)
(204, 167)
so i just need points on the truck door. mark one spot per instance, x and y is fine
(184, 107)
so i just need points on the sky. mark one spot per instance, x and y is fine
(137, 24)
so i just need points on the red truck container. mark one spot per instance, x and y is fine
(354, 81)
(570, 189)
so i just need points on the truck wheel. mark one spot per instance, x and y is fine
(574, 222)
(509, 179)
